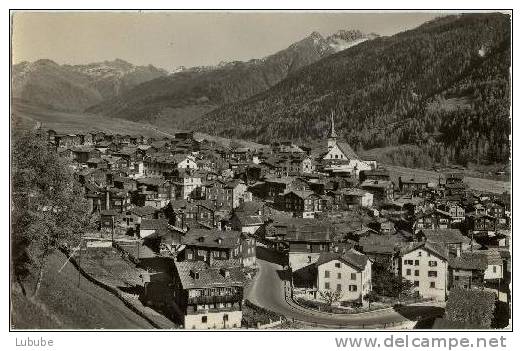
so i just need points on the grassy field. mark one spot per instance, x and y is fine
(27, 116)
(61, 303)
(479, 184)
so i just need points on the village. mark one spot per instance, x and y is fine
(211, 231)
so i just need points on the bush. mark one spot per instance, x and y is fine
(471, 308)
(253, 314)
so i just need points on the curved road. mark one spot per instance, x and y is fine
(267, 290)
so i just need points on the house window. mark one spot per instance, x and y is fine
(405, 262)
(204, 319)
(419, 254)
(339, 287)
(338, 275)
(225, 318)
(416, 262)
(189, 255)
(353, 276)
(352, 288)
(416, 272)
(416, 283)
(327, 286)
(327, 274)
(432, 285)
(432, 273)
(494, 269)
(432, 263)
(408, 271)
(337, 265)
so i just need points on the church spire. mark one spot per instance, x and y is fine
(332, 134)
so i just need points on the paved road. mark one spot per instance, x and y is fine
(267, 291)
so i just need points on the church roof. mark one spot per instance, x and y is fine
(347, 150)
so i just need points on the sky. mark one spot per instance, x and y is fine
(172, 39)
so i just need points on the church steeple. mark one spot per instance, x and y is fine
(332, 135)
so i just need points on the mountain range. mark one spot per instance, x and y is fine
(189, 93)
(436, 93)
(76, 87)
(443, 87)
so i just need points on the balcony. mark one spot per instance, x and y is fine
(207, 300)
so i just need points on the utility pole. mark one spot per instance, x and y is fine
(80, 260)
(112, 229)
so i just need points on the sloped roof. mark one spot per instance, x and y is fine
(143, 210)
(381, 243)
(445, 236)
(303, 194)
(434, 248)
(208, 277)
(212, 238)
(352, 258)
(246, 219)
(492, 256)
(312, 232)
(154, 224)
(469, 261)
(347, 150)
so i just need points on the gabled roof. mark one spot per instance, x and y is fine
(154, 224)
(152, 181)
(347, 150)
(249, 219)
(381, 243)
(445, 236)
(433, 211)
(434, 248)
(469, 261)
(492, 256)
(351, 258)
(303, 194)
(207, 276)
(143, 211)
(212, 238)
(311, 232)
(250, 207)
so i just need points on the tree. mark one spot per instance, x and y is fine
(386, 283)
(48, 206)
(330, 296)
(371, 296)
(471, 308)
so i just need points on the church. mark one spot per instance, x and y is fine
(339, 157)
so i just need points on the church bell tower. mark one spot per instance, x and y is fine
(332, 135)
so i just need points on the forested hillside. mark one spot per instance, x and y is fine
(186, 95)
(444, 86)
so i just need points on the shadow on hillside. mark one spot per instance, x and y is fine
(134, 290)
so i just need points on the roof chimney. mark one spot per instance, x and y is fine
(194, 274)
(225, 272)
